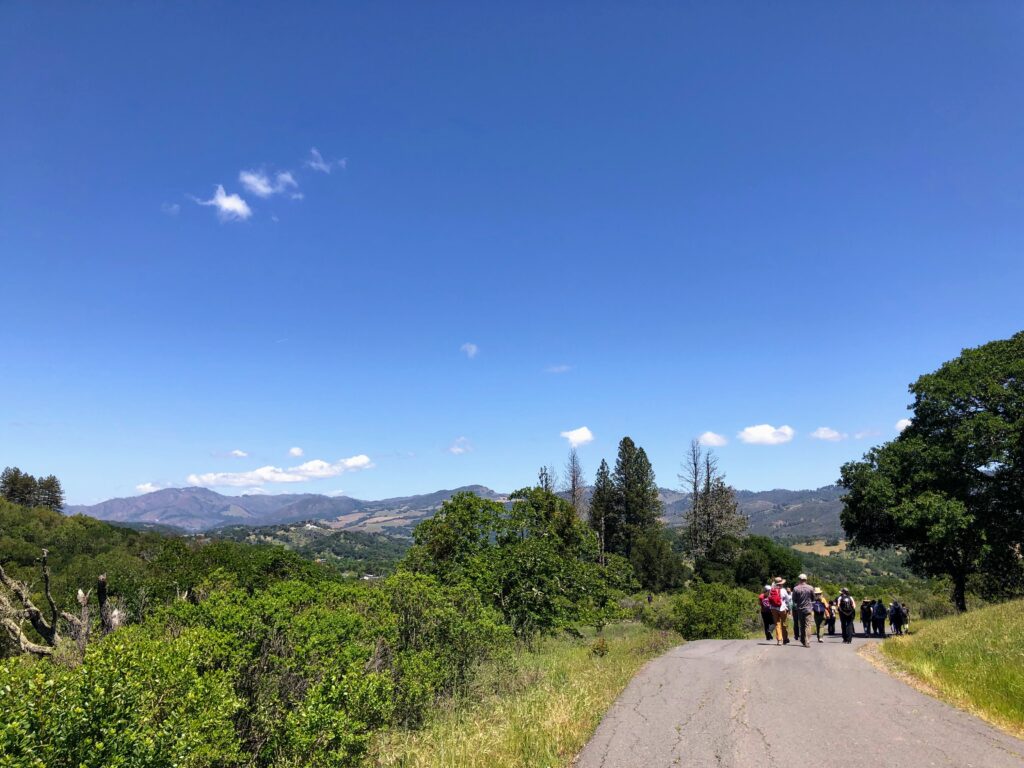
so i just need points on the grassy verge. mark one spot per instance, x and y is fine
(975, 661)
(539, 719)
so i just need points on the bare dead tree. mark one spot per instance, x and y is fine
(13, 616)
(575, 483)
(714, 511)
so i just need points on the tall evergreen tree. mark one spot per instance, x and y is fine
(49, 493)
(604, 518)
(636, 491)
(18, 487)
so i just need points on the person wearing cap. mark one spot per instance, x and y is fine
(780, 610)
(766, 613)
(847, 614)
(803, 602)
(820, 610)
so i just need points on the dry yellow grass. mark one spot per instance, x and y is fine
(818, 547)
(540, 721)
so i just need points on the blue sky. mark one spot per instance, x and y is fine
(655, 219)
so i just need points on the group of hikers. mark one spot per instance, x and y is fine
(810, 609)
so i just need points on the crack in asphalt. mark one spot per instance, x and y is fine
(735, 704)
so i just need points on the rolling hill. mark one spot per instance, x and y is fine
(778, 513)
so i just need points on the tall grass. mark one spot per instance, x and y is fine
(541, 715)
(975, 660)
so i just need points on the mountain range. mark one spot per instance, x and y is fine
(778, 513)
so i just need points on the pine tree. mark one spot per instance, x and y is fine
(575, 485)
(18, 487)
(49, 493)
(603, 512)
(714, 511)
(637, 492)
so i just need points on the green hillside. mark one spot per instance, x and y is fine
(974, 660)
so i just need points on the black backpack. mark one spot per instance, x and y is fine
(846, 605)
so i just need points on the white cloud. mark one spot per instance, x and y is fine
(229, 207)
(148, 487)
(317, 163)
(295, 451)
(470, 349)
(827, 433)
(578, 437)
(766, 434)
(238, 453)
(171, 209)
(558, 368)
(902, 424)
(460, 446)
(712, 440)
(261, 185)
(310, 470)
(865, 433)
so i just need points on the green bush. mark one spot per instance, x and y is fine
(713, 611)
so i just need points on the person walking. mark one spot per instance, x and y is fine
(803, 604)
(831, 616)
(878, 615)
(895, 618)
(778, 597)
(906, 618)
(796, 626)
(820, 609)
(847, 614)
(766, 613)
(865, 615)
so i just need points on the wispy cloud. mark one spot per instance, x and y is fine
(578, 437)
(238, 453)
(766, 434)
(317, 162)
(311, 470)
(902, 424)
(827, 433)
(229, 207)
(171, 209)
(712, 440)
(295, 451)
(558, 368)
(262, 185)
(470, 349)
(865, 433)
(460, 446)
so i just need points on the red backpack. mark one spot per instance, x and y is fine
(775, 597)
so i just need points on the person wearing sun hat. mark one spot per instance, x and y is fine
(803, 601)
(820, 610)
(766, 613)
(778, 597)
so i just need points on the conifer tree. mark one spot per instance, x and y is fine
(637, 493)
(603, 512)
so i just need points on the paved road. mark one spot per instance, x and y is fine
(748, 704)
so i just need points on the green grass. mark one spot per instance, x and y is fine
(975, 661)
(538, 717)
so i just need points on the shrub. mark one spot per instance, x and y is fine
(712, 611)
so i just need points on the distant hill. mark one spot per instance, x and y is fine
(778, 513)
(200, 509)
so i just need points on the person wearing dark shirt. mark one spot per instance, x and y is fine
(878, 616)
(831, 616)
(847, 614)
(865, 615)
(766, 613)
(819, 608)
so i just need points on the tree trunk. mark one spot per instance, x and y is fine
(960, 592)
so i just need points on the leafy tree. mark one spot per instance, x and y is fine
(950, 487)
(712, 611)
(49, 493)
(637, 494)
(657, 567)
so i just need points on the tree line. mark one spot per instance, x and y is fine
(27, 490)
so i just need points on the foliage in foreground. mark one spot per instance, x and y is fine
(539, 716)
(295, 674)
(974, 660)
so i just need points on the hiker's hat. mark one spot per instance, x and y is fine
(802, 577)
(845, 591)
(779, 580)
(767, 586)
(817, 590)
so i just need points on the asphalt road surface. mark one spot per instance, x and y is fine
(750, 704)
